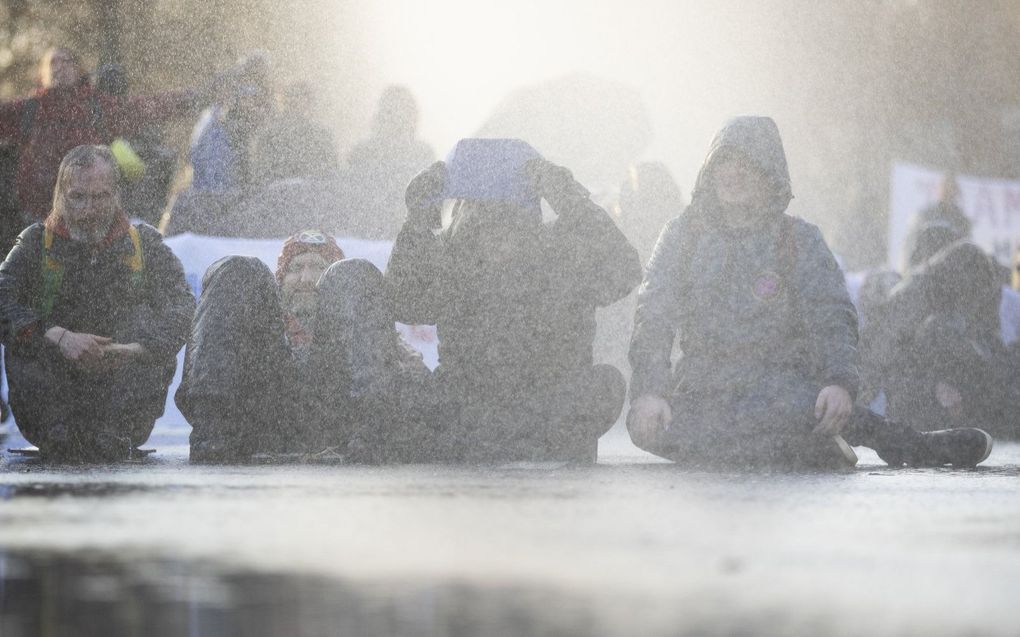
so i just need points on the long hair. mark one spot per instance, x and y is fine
(84, 156)
(47, 59)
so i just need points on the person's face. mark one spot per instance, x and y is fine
(61, 70)
(91, 202)
(738, 182)
(298, 285)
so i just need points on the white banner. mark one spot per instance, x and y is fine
(993, 206)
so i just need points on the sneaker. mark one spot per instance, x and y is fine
(962, 447)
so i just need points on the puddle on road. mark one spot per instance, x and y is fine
(69, 489)
(60, 594)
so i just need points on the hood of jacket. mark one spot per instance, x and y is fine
(756, 138)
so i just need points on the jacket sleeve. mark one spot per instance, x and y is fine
(827, 311)
(412, 275)
(19, 275)
(657, 319)
(599, 262)
(10, 119)
(162, 324)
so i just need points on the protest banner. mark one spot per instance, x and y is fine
(992, 205)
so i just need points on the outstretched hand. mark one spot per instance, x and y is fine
(832, 409)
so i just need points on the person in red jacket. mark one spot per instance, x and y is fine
(67, 111)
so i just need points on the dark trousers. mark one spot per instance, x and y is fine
(768, 422)
(557, 419)
(243, 387)
(65, 410)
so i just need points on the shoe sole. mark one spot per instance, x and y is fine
(989, 443)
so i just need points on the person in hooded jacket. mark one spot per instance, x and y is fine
(945, 214)
(514, 302)
(93, 311)
(944, 336)
(304, 362)
(767, 331)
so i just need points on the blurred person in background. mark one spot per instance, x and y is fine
(945, 213)
(379, 168)
(293, 145)
(67, 111)
(649, 197)
(146, 164)
(220, 157)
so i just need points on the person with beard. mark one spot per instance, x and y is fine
(94, 311)
(304, 362)
(514, 302)
(767, 331)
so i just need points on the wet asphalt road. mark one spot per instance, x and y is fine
(632, 546)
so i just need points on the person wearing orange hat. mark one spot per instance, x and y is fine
(303, 360)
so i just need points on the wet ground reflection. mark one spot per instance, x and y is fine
(57, 594)
(69, 489)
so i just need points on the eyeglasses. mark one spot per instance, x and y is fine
(311, 237)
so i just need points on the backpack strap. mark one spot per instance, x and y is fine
(52, 276)
(136, 260)
(790, 253)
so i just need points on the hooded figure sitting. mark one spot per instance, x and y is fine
(301, 362)
(513, 300)
(944, 337)
(94, 311)
(768, 334)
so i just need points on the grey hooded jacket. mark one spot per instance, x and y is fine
(763, 300)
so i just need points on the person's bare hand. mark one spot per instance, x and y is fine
(79, 347)
(649, 417)
(832, 409)
(116, 355)
(950, 398)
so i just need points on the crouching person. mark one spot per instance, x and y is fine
(94, 311)
(514, 302)
(767, 331)
(304, 361)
